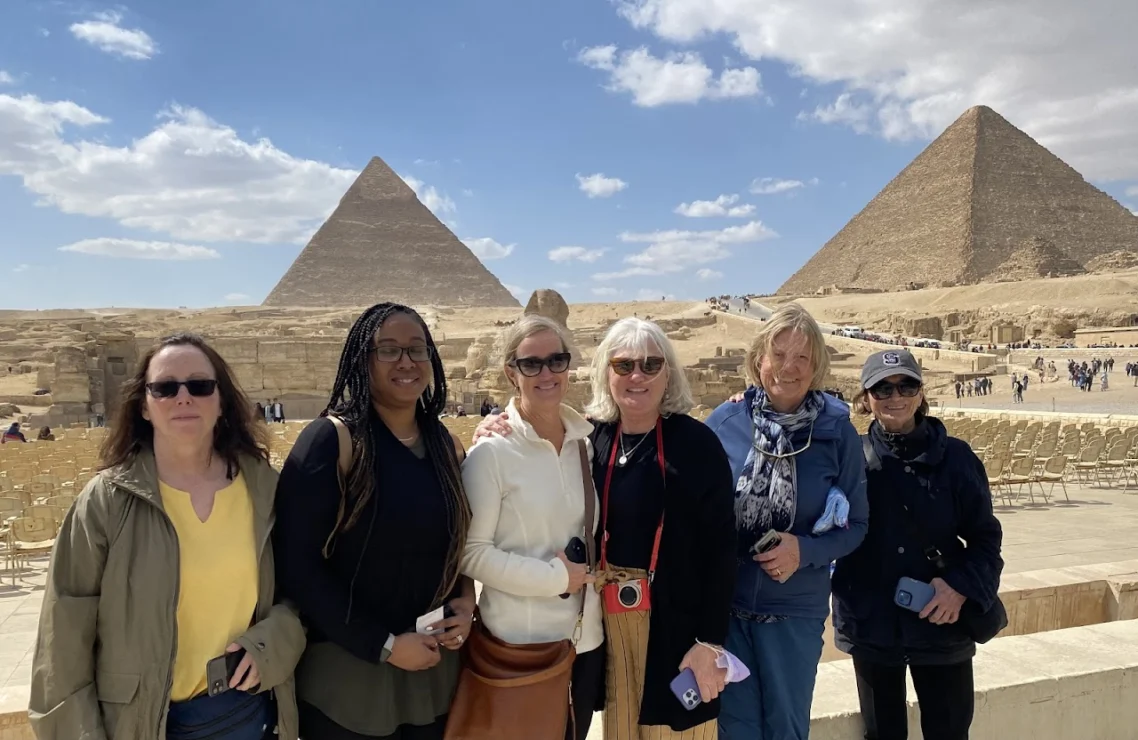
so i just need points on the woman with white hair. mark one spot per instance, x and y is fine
(667, 539)
(800, 504)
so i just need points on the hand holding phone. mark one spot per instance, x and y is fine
(576, 552)
(767, 542)
(913, 595)
(686, 689)
(219, 671)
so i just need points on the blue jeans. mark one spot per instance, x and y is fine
(774, 702)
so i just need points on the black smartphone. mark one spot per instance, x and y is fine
(576, 552)
(219, 671)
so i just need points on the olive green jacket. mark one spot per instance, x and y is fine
(104, 656)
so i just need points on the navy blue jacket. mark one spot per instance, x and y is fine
(834, 458)
(955, 505)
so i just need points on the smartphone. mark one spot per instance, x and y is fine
(686, 689)
(220, 670)
(423, 623)
(767, 542)
(913, 595)
(576, 552)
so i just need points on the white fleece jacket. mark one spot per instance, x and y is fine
(528, 501)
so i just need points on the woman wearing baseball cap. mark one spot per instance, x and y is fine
(912, 593)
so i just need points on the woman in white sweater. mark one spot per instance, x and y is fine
(527, 497)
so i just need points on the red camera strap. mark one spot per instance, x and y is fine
(608, 487)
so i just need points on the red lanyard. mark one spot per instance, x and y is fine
(605, 499)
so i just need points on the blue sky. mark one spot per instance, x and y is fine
(180, 154)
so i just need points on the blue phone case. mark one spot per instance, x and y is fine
(913, 595)
(686, 689)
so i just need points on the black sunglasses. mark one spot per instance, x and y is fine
(531, 366)
(648, 366)
(198, 387)
(884, 389)
(391, 353)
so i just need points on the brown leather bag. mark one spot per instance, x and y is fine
(520, 692)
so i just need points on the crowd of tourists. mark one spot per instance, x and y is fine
(675, 574)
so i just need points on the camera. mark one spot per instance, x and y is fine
(904, 598)
(691, 699)
(630, 596)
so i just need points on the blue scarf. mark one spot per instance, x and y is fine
(766, 494)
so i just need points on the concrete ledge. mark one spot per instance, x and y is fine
(1063, 417)
(1073, 683)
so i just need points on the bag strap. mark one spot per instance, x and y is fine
(590, 503)
(344, 437)
(916, 531)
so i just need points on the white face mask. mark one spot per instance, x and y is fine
(736, 670)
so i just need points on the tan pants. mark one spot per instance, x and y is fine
(627, 644)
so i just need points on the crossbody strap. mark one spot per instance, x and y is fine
(590, 503)
(916, 531)
(344, 438)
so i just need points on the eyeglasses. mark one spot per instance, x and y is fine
(792, 453)
(648, 366)
(391, 353)
(531, 366)
(198, 387)
(884, 389)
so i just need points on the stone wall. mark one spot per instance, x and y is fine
(964, 361)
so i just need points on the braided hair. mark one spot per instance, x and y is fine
(352, 403)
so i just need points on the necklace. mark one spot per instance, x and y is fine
(623, 460)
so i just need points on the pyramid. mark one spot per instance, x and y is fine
(382, 244)
(979, 192)
(1034, 259)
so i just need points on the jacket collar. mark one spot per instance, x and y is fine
(576, 426)
(140, 477)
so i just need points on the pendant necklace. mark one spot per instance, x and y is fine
(623, 459)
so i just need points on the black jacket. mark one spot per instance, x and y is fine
(947, 491)
(695, 576)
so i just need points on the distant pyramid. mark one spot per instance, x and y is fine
(382, 244)
(956, 214)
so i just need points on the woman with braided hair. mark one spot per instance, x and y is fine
(363, 561)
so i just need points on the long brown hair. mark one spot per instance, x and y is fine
(236, 432)
(351, 401)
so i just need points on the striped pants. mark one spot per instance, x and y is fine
(626, 638)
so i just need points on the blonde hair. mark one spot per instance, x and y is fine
(793, 318)
(529, 325)
(637, 337)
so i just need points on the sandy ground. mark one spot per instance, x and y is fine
(1120, 398)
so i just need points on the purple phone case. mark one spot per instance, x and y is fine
(686, 689)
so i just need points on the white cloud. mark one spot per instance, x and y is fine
(190, 178)
(105, 34)
(773, 186)
(599, 186)
(581, 254)
(139, 250)
(427, 162)
(681, 77)
(468, 192)
(518, 292)
(486, 248)
(724, 205)
(708, 274)
(24, 267)
(6, 78)
(237, 298)
(605, 291)
(1063, 72)
(1132, 192)
(438, 203)
(675, 251)
(563, 286)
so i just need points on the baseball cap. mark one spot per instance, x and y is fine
(882, 365)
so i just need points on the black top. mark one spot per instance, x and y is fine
(946, 489)
(383, 572)
(636, 499)
(695, 577)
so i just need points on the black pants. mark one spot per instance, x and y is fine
(588, 690)
(315, 725)
(944, 695)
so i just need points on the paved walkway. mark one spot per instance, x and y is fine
(1097, 526)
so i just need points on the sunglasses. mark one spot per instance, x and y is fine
(648, 366)
(417, 353)
(198, 387)
(531, 366)
(884, 390)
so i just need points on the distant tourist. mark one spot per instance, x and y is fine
(928, 494)
(366, 554)
(162, 568)
(259, 410)
(45, 435)
(797, 461)
(13, 434)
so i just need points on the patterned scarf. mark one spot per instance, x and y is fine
(766, 494)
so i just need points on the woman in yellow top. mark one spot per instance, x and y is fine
(158, 619)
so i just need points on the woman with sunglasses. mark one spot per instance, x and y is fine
(797, 462)
(666, 539)
(927, 492)
(159, 617)
(371, 556)
(528, 499)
